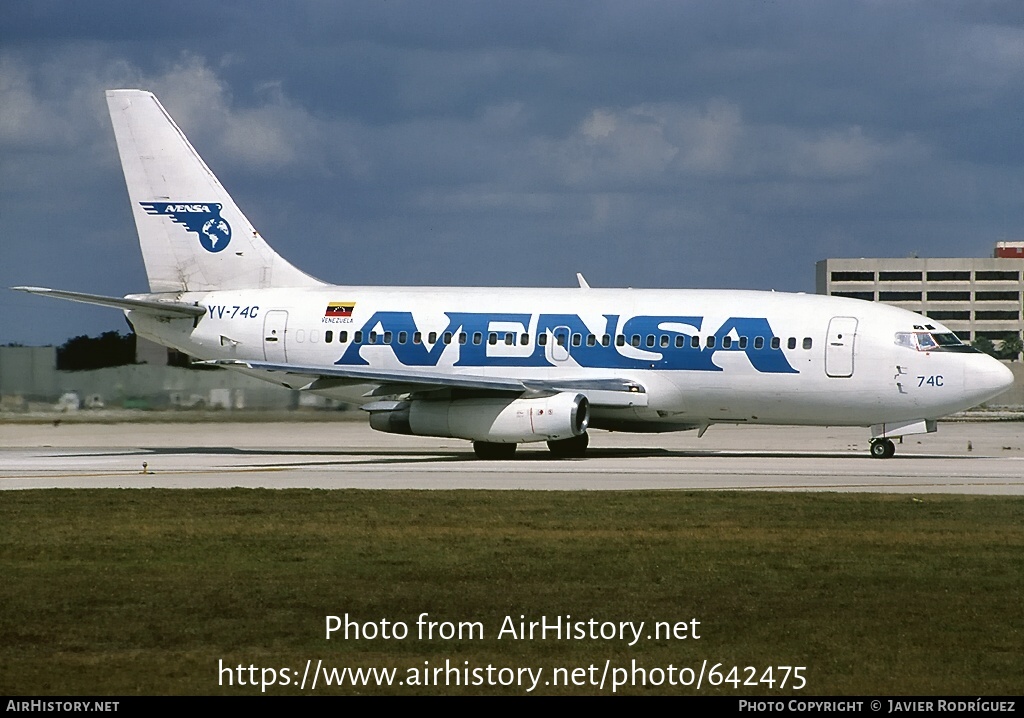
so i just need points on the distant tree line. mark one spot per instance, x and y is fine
(108, 349)
(1009, 348)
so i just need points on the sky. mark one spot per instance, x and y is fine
(645, 144)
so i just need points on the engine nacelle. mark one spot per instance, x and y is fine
(501, 421)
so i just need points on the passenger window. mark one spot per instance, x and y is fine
(403, 337)
(510, 339)
(387, 337)
(664, 340)
(695, 341)
(463, 337)
(372, 339)
(635, 340)
(432, 338)
(726, 342)
(478, 338)
(577, 339)
(711, 342)
(560, 340)
(358, 337)
(314, 336)
(448, 337)
(791, 343)
(524, 339)
(680, 340)
(758, 342)
(606, 340)
(417, 338)
(343, 337)
(807, 342)
(542, 340)
(591, 340)
(650, 340)
(328, 336)
(492, 338)
(620, 340)
(743, 342)
(776, 342)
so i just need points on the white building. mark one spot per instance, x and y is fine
(973, 297)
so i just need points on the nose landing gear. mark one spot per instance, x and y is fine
(882, 448)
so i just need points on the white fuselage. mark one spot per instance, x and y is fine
(703, 356)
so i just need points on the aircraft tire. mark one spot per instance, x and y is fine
(883, 449)
(491, 451)
(574, 448)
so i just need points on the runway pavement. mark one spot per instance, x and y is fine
(963, 458)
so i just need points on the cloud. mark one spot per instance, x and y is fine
(44, 107)
(273, 135)
(599, 125)
(651, 145)
(19, 121)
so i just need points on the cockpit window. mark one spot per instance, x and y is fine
(947, 340)
(905, 339)
(932, 341)
(925, 342)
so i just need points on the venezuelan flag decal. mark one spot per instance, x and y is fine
(340, 309)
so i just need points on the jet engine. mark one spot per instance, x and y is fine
(495, 420)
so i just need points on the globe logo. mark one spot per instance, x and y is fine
(215, 235)
(203, 218)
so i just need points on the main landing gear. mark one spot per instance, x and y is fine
(882, 448)
(492, 451)
(573, 448)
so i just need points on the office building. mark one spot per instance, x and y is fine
(974, 297)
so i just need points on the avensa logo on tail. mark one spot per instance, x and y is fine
(202, 218)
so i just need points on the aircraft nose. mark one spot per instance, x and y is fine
(988, 378)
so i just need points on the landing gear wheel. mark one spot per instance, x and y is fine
(574, 448)
(882, 448)
(491, 451)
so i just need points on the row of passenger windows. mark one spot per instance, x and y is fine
(523, 339)
(952, 276)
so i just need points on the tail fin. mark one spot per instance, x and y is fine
(193, 236)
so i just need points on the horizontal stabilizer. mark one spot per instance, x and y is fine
(157, 307)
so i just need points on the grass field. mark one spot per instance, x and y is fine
(145, 592)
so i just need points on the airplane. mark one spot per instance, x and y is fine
(500, 367)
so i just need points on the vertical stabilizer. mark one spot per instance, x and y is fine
(193, 236)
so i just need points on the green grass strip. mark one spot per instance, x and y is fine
(144, 592)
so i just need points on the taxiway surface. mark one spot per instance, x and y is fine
(964, 458)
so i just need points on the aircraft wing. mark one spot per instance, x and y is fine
(610, 391)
